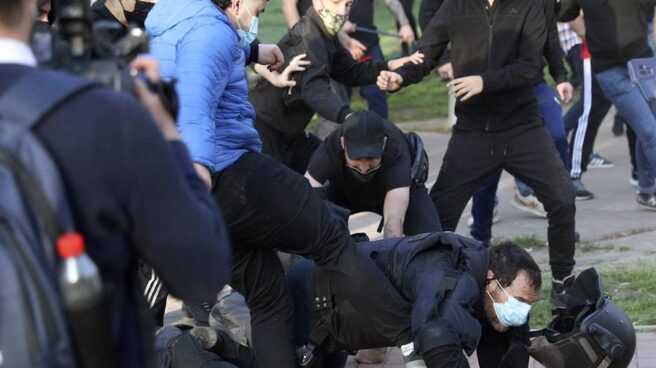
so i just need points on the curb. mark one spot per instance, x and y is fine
(645, 329)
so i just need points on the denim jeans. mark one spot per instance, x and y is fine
(376, 99)
(629, 101)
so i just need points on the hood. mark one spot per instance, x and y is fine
(166, 14)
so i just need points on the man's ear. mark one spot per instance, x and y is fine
(491, 285)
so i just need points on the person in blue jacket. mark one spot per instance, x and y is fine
(267, 207)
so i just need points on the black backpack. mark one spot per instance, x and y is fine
(34, 212)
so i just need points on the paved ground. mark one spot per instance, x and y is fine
(613, 220)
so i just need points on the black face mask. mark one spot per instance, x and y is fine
(138, 16)
(361, 177)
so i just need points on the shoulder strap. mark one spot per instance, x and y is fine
(37, 94)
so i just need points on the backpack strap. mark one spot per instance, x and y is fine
(35, 95)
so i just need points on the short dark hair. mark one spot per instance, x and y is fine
(10, 12)
(507, 260)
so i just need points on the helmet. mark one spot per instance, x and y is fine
(591, 331)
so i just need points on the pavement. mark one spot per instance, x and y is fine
(622, 231)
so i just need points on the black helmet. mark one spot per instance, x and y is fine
(591, 331)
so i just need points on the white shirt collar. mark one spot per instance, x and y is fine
(13, 51)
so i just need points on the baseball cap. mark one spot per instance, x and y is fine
(363, 134)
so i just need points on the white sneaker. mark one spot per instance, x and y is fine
(528, 204)
(495, 217)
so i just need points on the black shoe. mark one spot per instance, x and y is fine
(558, 296)
(582, 194)
(647, 201)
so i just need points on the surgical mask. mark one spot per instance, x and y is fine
(363, 177)
(512, 312)
(139, 14)
(247, 37)
(331, 20)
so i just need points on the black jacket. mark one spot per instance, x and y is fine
(616, 30)
(133, 196)
(503, 44)
(289, 110)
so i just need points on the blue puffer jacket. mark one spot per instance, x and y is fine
(196, 44)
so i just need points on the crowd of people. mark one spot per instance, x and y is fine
(185, 203)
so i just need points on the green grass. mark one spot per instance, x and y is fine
(425, 100)
(530, 241)
(631, 286)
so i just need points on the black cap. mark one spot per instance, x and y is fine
(364, 133)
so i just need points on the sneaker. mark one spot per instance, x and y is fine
(410, 357)
(495, 216)
(528, 204)
(558, 296)
(647, 201)
(634, 179)
(598, 162)
(582, 194)
(371, 356)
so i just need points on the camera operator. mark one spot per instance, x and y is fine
(130, 184)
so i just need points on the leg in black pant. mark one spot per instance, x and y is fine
(421, 216)
(532, 158)
(267, 206)
(469, 160)
(293, 152)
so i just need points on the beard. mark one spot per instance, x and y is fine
(491, 315)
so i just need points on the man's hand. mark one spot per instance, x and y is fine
(355, 47)
(565, 91)
(349, 27)
(416, 58)
(271, 56)
(446, 72)
(204, 174)
(152, 102)
(406, 34)
(389, 81)
(466, 87)
(298, 64)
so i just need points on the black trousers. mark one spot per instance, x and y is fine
(528, 153)
(268, 207)
(420, 217)
(294, 152)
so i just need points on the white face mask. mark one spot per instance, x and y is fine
(247, 37)
(512, 312)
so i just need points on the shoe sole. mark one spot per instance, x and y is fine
(602, 166)
(646, 206)
(520, 206)
(585, 198)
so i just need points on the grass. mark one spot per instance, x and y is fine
(631, 286)
(423, 101)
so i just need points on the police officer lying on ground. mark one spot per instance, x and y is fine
(370, 165)
(283, 114)
(464, 294)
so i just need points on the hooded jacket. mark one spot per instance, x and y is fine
(196, 44)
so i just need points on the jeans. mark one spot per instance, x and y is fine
(484, 198)
(268, 207)
(528, 153)
(376, 99)
(629, 101)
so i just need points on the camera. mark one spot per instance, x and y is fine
(100, 51)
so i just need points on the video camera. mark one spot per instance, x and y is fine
(100, 51)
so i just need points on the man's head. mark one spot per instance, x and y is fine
(333, 13)
(243, 13)
(514, 282)
(363, 140)
(44, 7)
(17, 18)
